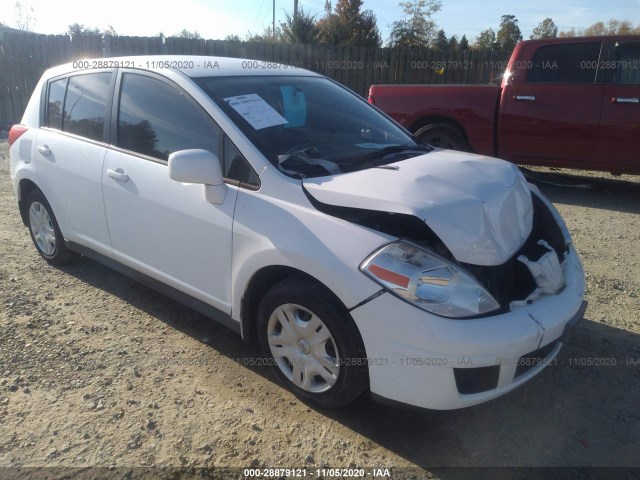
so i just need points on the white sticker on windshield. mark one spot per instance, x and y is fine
(256, 111)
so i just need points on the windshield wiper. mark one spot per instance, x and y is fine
(383, 152)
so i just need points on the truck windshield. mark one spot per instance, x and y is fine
(310, 126)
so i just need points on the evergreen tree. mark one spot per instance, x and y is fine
(509, 33)
(348, 24)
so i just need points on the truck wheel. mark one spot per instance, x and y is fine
(312, 345)
(441, 135)
(45, 232)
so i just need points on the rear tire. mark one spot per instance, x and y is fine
(442, 135)
(45, 232)
(312, 343)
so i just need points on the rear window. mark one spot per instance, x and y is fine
(55, 100)
(628, 64)
(567, 63)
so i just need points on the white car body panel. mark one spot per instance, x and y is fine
(286, 230)
(21, 164)
(73, 171)
(479, 207)
(180, 238)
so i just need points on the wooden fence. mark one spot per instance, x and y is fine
(25, 56)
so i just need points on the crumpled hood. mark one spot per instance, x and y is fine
(480, 207)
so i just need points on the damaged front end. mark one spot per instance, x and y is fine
(477, 248)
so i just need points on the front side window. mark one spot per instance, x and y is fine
(236, 166)
(55, 100)
(156, 119)
(565, 63)
(85, 105)
(628, 64)
(310, 126)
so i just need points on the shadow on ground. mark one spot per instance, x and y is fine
(585, 190)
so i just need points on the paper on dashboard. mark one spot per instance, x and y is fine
(256, 111)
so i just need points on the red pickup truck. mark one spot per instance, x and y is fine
(566, 102)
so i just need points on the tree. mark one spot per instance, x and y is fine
(25, 18)
(232, 37)
(79, 29)
(347, 24)
(267, 36)
(509, 33)
(441, 42)
(612, 27)
(110, 31)
(486, 40)
(184, 33)
(545, 29)
(596, 29)
(464, 43)
(453, 43)
(300, 28)
(568, 33)
(625, 27)
(417, 28)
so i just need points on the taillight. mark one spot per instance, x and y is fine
(371, 100)
(15, 133)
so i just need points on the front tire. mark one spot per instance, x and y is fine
(313, 345)
(45, 231)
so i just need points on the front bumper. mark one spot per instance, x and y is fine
(423, 360)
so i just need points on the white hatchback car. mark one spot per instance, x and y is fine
(283, 205)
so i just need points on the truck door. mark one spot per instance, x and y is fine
(551, 107)
(619, 139)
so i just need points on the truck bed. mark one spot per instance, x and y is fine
(473, 107)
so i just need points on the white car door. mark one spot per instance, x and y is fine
(70, 151)
(162, 228)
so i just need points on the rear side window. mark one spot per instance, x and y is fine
(55, 100)
(628, 64)
(156, 119)
(85, 105)
(568, 63)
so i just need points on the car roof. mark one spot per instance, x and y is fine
(191, 65)
(601, 38)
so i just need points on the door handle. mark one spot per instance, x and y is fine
(118, 174)
(44, 150)
(527, 98)
(625, 100)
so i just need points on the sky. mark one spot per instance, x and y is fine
(219, 18)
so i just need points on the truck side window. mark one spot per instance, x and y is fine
(156, 119)
(85, 105)
(565, 63)
(628, 64)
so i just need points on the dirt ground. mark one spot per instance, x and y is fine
(97, 370)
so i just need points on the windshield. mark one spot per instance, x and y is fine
(310, 126)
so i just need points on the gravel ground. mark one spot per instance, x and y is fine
(99, 371)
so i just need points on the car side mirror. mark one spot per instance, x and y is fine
(199, 166)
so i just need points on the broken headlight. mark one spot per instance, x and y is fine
(428, 281)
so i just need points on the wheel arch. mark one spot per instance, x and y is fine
(261, 281)
(25, 187)
(439, 120)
